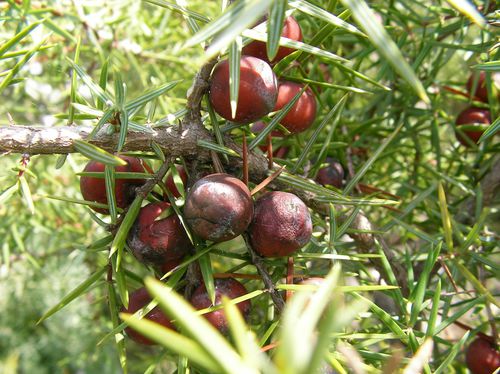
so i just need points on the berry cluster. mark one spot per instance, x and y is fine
(218, 207)
(228, 287)
(260, 93)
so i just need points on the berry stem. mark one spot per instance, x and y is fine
(258, 262)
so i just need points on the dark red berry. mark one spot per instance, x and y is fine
(261, 125)
(280, 152)
(94, 189)
(169, 265)
(332, 174)
(218, 207)
(482, 357)
(470, 116)
(158, 235)
(257, 92)
(303, 113)
(169, 181)
(229, 287)
(137, 300)
(481, 91)
(281, 224)
(291, 30)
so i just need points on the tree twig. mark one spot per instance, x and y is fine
(174, 143)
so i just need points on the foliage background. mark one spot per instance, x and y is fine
(46, 254)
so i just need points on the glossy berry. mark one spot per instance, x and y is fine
(279, 152)
(94, 189)
(218, 207)
(481, 91)
(169, 181)
(158, 236)
(257, 93)
(332, 174)
(482, 357)
(303, 113)
(281, 224)
(470, 116)
(169, 265)
(261, 125)
(291, 30)
(229, 287)
(137, 300)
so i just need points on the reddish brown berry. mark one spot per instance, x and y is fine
(281, 224)
(302, 115)
(279, 152)
(332, 175)
(94, 189)
(482, 357)
(470, 116)
(137, 300)
(228, 287)
(169, 181)
(257, 93)
(291, 30)
(261, 125)
(158, 236)
(218, 207)
(481, 91)
(169, 265)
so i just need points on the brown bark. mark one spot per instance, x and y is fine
(52, 140)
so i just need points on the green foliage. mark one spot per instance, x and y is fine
(67, 340)
(387, 100)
